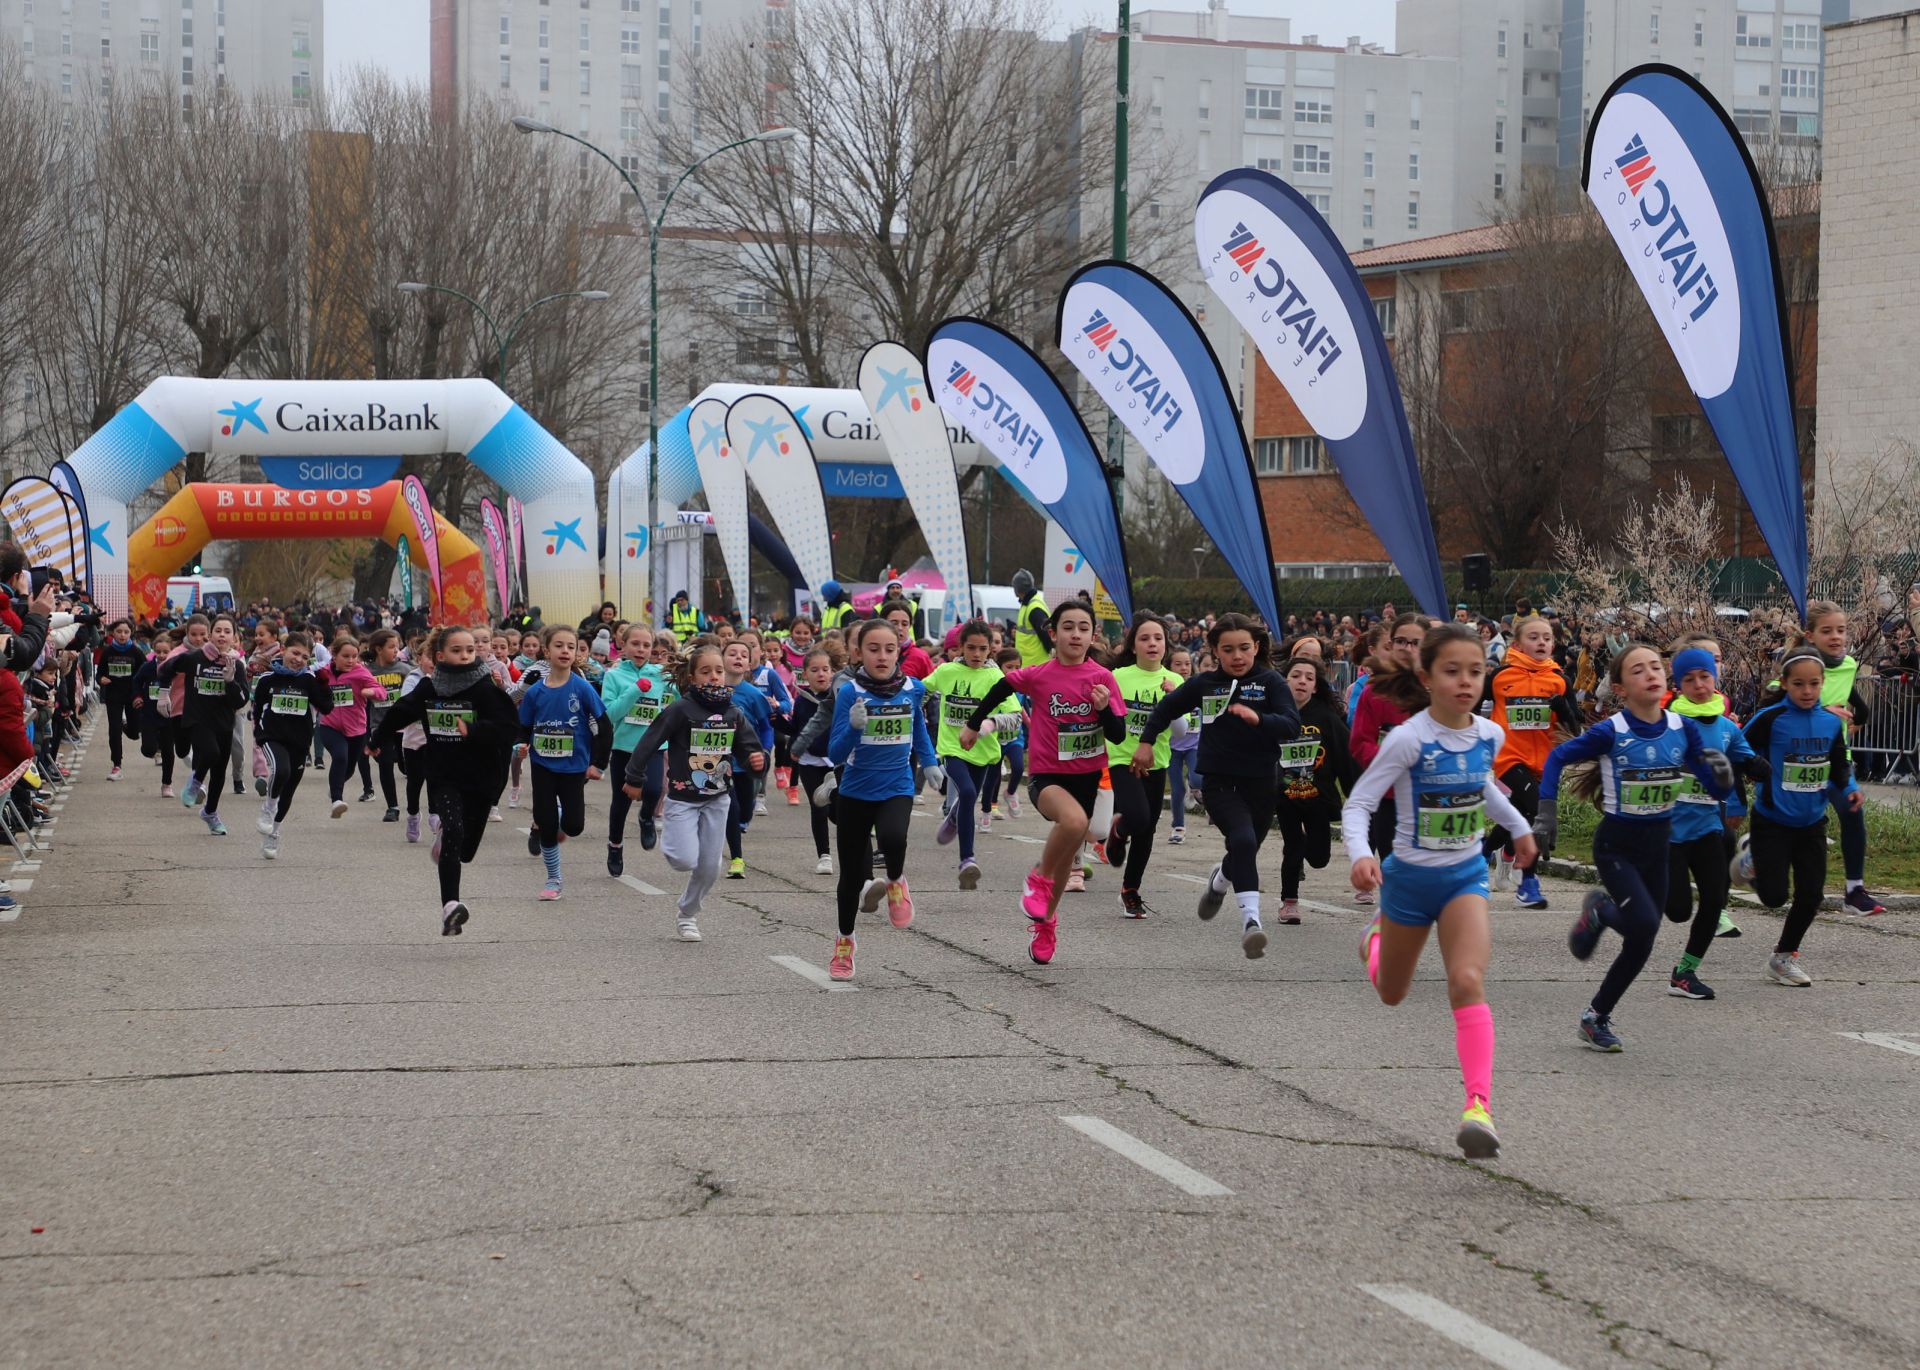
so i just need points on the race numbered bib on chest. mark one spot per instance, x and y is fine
(1693, 792)
(1529, 714)
(153, 692)
(210, 684)
(1212, 706)
(553, 740)
(1080, 740)
(1138, 712)
(119, 668)
(1450, 820)
(889, 724)
(294, 703)
(1806, 772)
(955, 710)
(1302, 754)
(343, 696)
(444, 720)
(1649, 791)
(646, 708)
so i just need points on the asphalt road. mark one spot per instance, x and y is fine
(263, 1114)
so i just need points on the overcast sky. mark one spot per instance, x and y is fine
(393, 33)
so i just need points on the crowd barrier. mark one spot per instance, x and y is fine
(1887, 746)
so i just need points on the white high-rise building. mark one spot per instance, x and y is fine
(194, 49)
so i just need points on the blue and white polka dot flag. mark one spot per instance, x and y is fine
(769, 441)
(915, 431)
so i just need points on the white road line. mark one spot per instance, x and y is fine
(1190, 879)
(1490, 1345)
(1318, 907)
(9, 915)
(21, 886)
(636, 883)
(806, 970)
(1030, 841)
(1891, 1041)
(1146, 1157)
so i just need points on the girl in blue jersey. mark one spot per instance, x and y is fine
(636, 691)
(562, 722)
(879, 736)
(1785, 852)
(1698, 854)
(1438, 766)
(1013, 746)
(1644, 755)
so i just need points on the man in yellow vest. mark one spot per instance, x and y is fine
(836, 610)
(683, 618)
(1030, 633)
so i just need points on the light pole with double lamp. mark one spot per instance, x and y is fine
(772, 135)
(503, 342)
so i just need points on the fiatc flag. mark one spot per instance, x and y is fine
(773, 445)
(723, 477)
(915, 433)
(1273, 261)
(1674, 183)
(988, 381)
(1144, 354)
(493, 529)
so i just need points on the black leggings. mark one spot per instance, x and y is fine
(389, 787)
(861, 823)
(117, 721)
(1702, 862)
(1632, 861)
(289, 768)
(559, 804)
(990, 787)
(366, 771)
(212, 742)
(1306, 837)
(415, 765)
(810, 778)
(1524, 789)
(1241, 806)
(343, 754)
(463, 813)
(1783, 855)
(1136, 815)
(739, 811)
(651, 784)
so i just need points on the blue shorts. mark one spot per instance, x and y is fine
(1413, 896)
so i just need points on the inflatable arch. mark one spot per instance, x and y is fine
(205, 513)
(347, 419)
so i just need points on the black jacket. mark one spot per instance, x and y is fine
(118, 666)
(1229, 746)
(1316, 790)
(212, 694)
(699, 768)
(478, 760)
(284, 705)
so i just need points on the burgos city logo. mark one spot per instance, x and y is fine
(1288, 305)
(1689, 275)
(1131, 372)
(1004, 416)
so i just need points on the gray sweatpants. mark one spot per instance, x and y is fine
(694, 838)
(242, 750)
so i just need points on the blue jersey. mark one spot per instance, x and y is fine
(1696, 813)
(748, 698)
(560, 722)
(1643, 766)
(774, 688)
(879, 758)
(1807, 749)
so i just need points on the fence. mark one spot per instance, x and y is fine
(1887, 746)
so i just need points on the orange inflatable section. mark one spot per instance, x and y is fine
(207, 512)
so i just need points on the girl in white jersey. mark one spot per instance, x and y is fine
(1438, 765)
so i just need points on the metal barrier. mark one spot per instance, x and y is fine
(1887, 747)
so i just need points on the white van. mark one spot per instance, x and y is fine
(199, 594)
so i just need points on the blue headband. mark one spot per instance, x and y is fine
(1694, 659)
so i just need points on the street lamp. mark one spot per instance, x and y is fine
(503, 342)
(772, 135)
(1199, 555)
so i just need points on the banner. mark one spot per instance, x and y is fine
(63, 479)
(493, 533)
(774, 448)
(1676, 188)
(414, 491)
(406, 570)
(36, 511)
(723, 476)
(915, 431)
(1277, 266)
(1000, 392)
(517, 547)
(1148, 360)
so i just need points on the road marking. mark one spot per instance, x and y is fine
(1891, 1041)
(1146, 1157)
(635, 882)
(806, 970)
(21, 886)
(1330, 908)
(1191, 879)
(1461, 1330)
(1030, 841)
(9, 915)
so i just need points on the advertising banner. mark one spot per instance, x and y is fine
(517, 546)
(414, 491)
(1674, 183)
(311, 418)
(37, 513)
(63, 479)
(406, 571)
(1148, 360)
(914, 429)
(493, 533)
(1276, 265)
(773, 446)
(723, 476)
(989, 382)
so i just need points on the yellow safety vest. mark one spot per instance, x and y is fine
(685, 622)
(835, 615)
(1024, 638)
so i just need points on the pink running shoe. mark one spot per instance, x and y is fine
(1046, 934)
(1077, 882)
(1039, 893)
(841, 966)
(899, 904)
(1369, 941)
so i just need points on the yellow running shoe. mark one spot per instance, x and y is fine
(1476, 1138)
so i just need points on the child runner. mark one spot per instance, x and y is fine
(215, 688)
(1784, 855)
(1439, 765)
(390, 673)
(152, 705)
(1529, 694)
(562, 723)
(1644, 754)
(471, 727)
(286, 697)
(1248, 714)
(958, 687)
(1139, 787)
(811, 693)
(1374, 718)
(1827, 633)
(706, 737)
(1076, 703)
(1012, 735)
(752, 702)
(1181, 755)
(636, 691)
(524, 668)
(765, 678)
(1315, 768)
(879, 736)
(1699, 853)
(413, 739)
(119, 661)
(344, 731)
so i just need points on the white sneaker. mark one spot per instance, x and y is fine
(1784, 966)
(688, 929)
(513, 796)
(1013, 806)
(339, 808)
(1177, 836)
(824, 866)
(495, 817)
(759, 808)
(114, 774)
(270, 845)
(875, 891)
(1503, 872)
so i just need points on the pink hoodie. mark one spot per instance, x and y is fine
(351, 690)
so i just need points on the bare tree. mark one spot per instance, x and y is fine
(27, 140)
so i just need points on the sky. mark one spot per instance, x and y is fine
(393, 33)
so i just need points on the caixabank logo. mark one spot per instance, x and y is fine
(295, 417)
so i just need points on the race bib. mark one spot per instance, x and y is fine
(210, 684)
(888, 725)
(1693, 792)
(955, 710)
(553, 741)
(1529, 714)
(1806, 772)
(295, 704)
(1138, 712)
(119, 668)
(153, 692)
(444, 720)
(646, 708)
(1212, 707)
(1649, 791)
(1302, 754)
(343, 696)
(1080, 741)
(1450, 820)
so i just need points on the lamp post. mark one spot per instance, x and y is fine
(772, 135)
(1116, 440)
(503, 342)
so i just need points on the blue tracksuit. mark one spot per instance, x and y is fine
(1697, 814)
(752, 702)
(560, 724)
(879, 759)
(1807, 749)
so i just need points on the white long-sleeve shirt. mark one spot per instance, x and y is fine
(1443, 788)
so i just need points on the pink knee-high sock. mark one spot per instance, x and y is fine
(1473, 1041)
(1373, 961)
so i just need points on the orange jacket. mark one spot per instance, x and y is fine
(1527, 695)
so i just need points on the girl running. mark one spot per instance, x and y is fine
(1826, 632)
(813, 693)
(1012, 735)
(471, 727)
(117, 664)
(636, 691)
(1644, 755)
(562, 724)
(1247, 713)
(1373, 718)
(214, 687)
(1439, 765)
(706, 737)
(286, 698)
(1784, 855)
(1315, 769)
(879, 736)
(152, 706)
(958, 687)
(1141, 672)
(1181, 753)
(525, 666)
(752, 703)
(765, 678)
(1076, 703)
(413, 739)
(344, 731)
(1529, 695)
(390, 672)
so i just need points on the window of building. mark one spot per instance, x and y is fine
(1312, 110)
(630, 82)
(546, 74)
(629, 125)
(1753, 30)
(629, 6)
(1800, 38)
(663, 64)
(1157, 107)
(1413, 166)
(1321, 200)
(1499, 185)
(546, 33)
(586, 36)
(629, 41)
(1413, 210)
(106, 48)
(1500, 42)
(1653, 28)
(1206, 99)
(1277, 165)
(662, 103)
(1699, 33)
(506, 30)
(664, 23)
(1413, 111)
(1499, 137)
(1799, 83)
(506, 71)
(1268, 457)
(1372, 98)
(1303, 456)
(586, 78)
(1386, 312)
(1311, 158)
(1366, 210)
(1265, 102)
(149, 44)
(752, 301)
(1366, 165)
